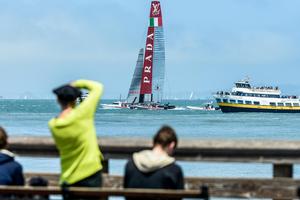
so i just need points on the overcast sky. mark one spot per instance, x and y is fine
(209, 44)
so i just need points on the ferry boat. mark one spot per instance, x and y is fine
(245, 98)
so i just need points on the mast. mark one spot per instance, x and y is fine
(153, 72)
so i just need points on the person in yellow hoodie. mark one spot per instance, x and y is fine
(75, 137)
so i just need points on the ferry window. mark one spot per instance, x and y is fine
(240, 101)
(225, 100)
(232, 101)
(296, 104)
(256, 103)
(218, 100)
(273, 96)
(280, 104)
(288, 104)
(244, 85)
(272, 104)
(248, 102)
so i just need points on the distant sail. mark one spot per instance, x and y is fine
(153, 72)
(192, 95)
(135, 86)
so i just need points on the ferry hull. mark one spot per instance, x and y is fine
(230, 109)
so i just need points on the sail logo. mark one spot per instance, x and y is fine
(155, 14)
(146, 87)
(149, 46)
(155, 9)
(148, 59)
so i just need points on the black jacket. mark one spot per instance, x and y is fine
(10, 170)
(168, 177)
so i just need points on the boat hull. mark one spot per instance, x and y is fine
(111, 106)
(201, 108)
(115, 105)
(227, 108)
(152, 107)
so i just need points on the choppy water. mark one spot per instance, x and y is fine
(30, 117)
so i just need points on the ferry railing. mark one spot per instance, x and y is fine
(281, 154)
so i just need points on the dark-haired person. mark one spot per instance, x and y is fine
(155, 168)
(38, 181)
(75, 135)
(11, 172)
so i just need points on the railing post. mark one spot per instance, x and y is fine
(282, 171)
(105, 164)
(105, 170)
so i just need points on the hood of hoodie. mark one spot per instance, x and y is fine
(6, 156)
(149, 161)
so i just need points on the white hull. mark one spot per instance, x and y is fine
(152, 107)
(110, 106)
(141, 107)
(200, 108)
(115, 105)
(124, 105)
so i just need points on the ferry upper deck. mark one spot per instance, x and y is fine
(243, 88)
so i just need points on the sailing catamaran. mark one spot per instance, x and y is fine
(146, 88)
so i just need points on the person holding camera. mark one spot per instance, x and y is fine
(75, 137)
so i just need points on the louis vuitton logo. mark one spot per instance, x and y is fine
(156, 9)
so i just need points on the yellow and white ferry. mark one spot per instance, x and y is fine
(245, 98)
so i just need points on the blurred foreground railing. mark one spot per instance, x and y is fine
(101, 192)
(281, 154)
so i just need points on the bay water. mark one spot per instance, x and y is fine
(30, 118)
